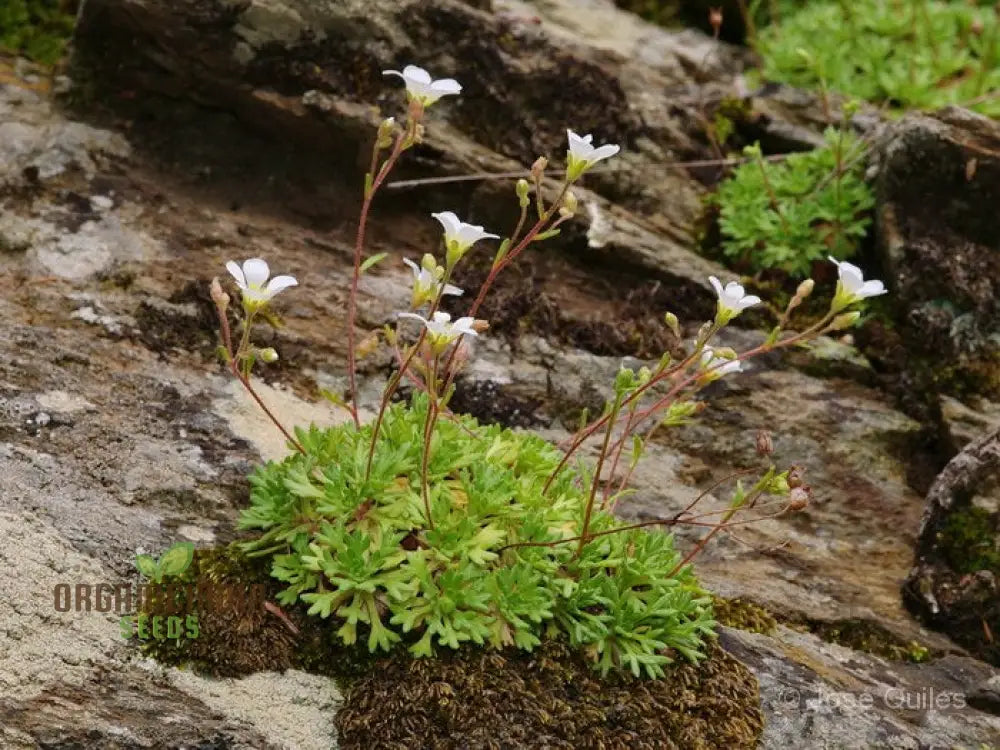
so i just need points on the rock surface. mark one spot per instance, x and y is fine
(955, 584)
(938, 182)
(118, 429)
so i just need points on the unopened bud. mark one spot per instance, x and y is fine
(522, 188)
(726, 352)
(715, 18)
(219, 297)
(570, 201)
(799, 498)
(805, 289)
(367, 345)
(796, 477)
(385, 130)
(268, 355)
(480, 326)
(765, 446)
(539, 167)
(565, 213)
(673, 324)
(418, 133)
(845, 320)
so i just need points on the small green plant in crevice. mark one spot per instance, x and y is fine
(171, 563)
(37, 29)
(970, 540)
(423, 529)
(789, 214)
(904, 53)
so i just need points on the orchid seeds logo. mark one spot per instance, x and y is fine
(168, 606)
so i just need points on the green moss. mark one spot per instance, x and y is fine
(37, 29)
(863, 635)
(970, 540)
(550, 698)
(744, 615)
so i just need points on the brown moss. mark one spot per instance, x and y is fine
(743, 614)
(550, 698)
(863, 635)
(238, 635)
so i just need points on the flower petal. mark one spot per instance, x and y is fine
(872, 288)
(453, 290)
(421, 318)
(605, 151)
(442, 317)
(717, 285)
(446, 87)
(237, 273)
(416, 269)
(449, 221)
(393, 73)
(416, 73)
(278, 283)
(256, 271)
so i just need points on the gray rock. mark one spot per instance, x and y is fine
(955, 583)
(937, 178)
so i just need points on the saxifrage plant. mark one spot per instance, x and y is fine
(425, 529)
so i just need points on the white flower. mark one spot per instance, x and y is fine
(582, 154)
(420, 87)
(251, 278)
(440, 330)
(426, 286)
(715, 366)
(852, 286)
(732, 299)
(459, 236)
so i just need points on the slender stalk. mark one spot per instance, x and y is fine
(234, 366)
(588, 511)
(428, 435)
(402, 140)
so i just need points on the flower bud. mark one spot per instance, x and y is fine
(565, 213)
(219, 297)
(765, 446)
(385, 130)
(539, 167)
(796, 477)
(726, 352)
(268, 355)
(367, 345)
(799, 498)
(715, 19)
(805, 289)
(418, 133)
(570, 202)
(480, 326)
(522, 188)
(673, 324)
(845, 320)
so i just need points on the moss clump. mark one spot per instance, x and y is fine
(970, 541)
(37, 29)
(743, 615)
(550, 698)
(238, 635)
(863, 635)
